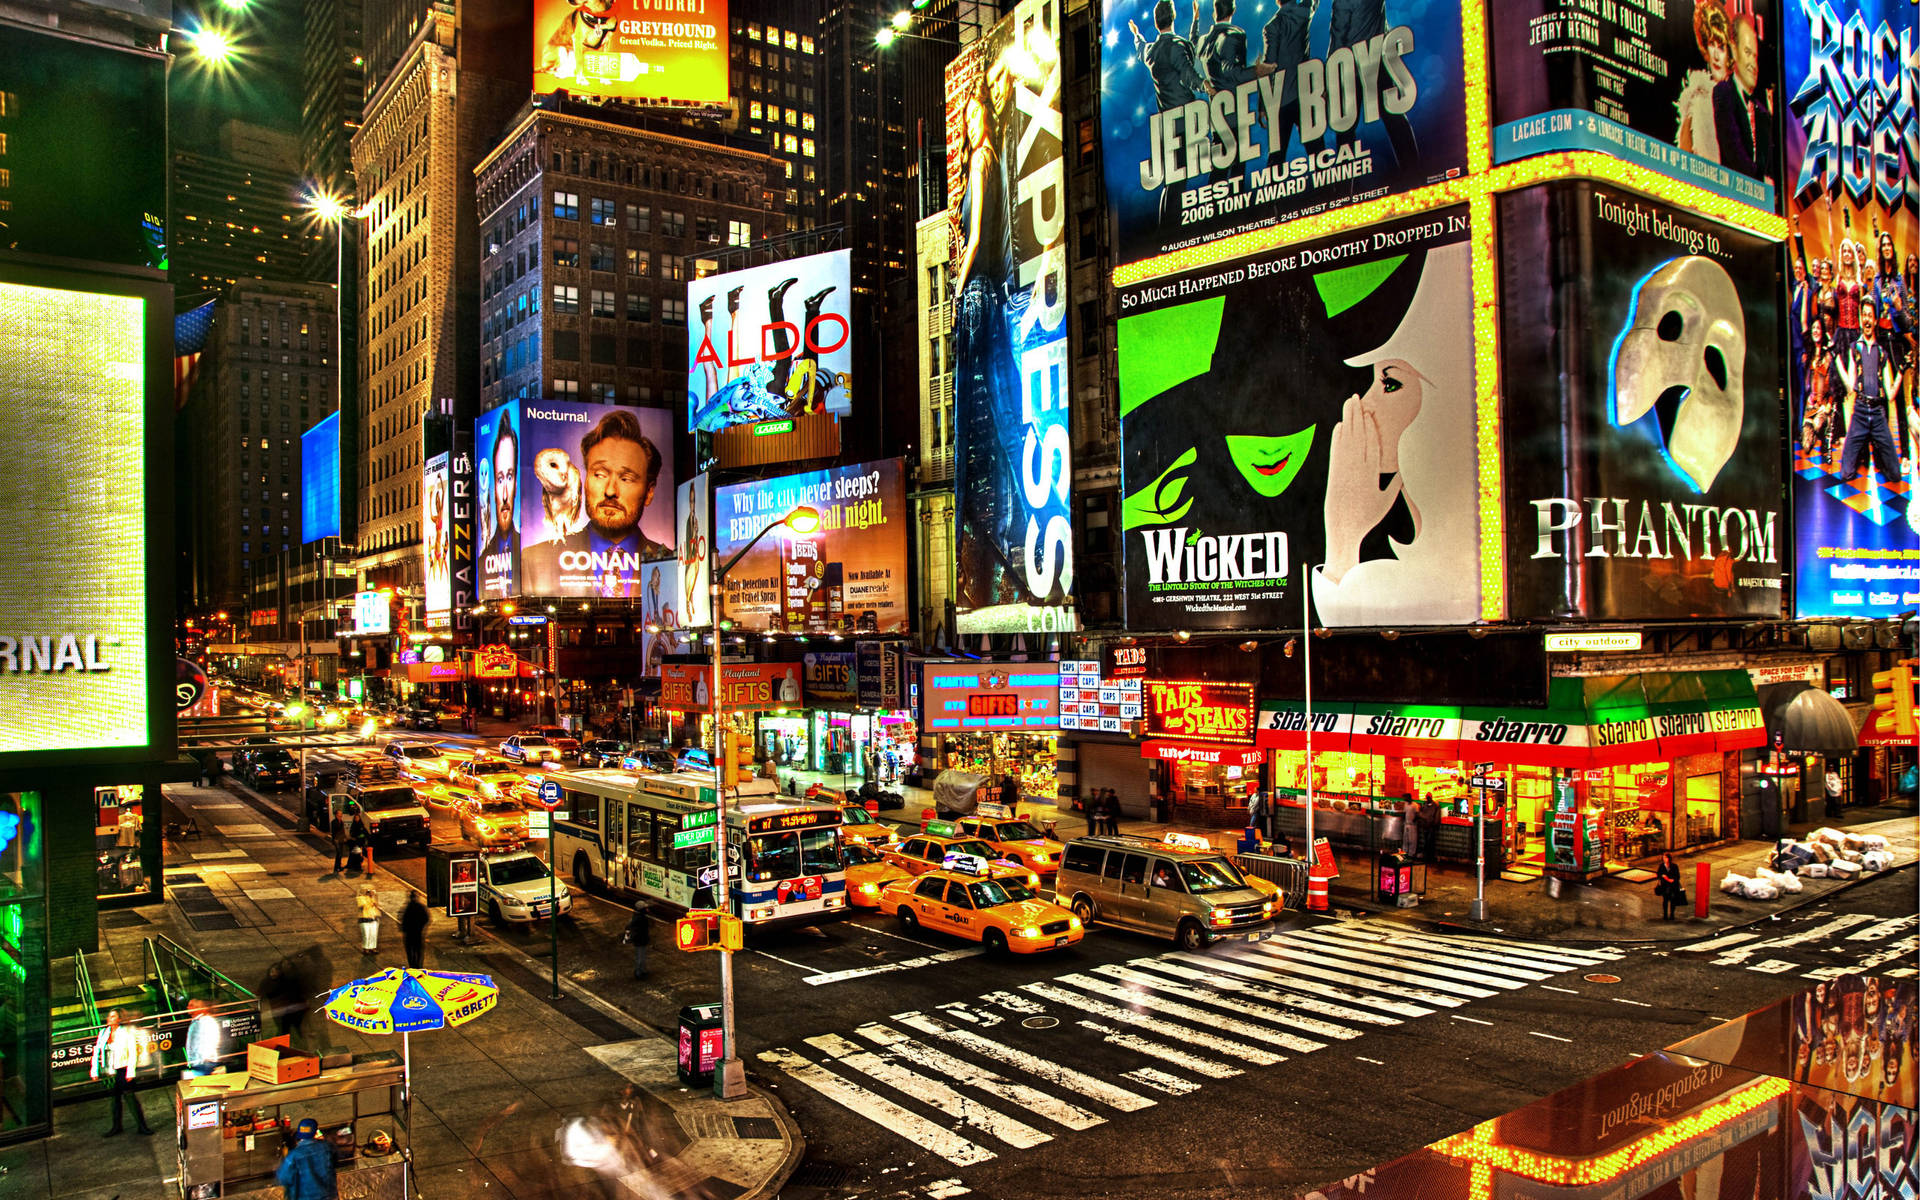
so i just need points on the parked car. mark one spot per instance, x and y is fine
(518, 887)
(422, 718)
(266, 768)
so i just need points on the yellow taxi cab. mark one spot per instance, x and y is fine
(1014, 838)
(929, 850)
(1196, 844)
(867, 873)
(999, 913)
(441, 794)
(858, 825)
(489, 821)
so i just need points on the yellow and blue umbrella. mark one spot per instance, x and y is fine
(402, 1000)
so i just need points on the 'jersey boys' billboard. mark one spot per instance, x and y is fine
(1013, 465)
(1227, 116)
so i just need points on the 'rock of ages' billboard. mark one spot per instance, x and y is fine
(1308, 409)
(1013, 469)
(1640, 359)
(1236, 114)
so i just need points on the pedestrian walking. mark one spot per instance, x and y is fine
(306, 1172)
(1833, 794)
(1668, 887)
(120, 1050)
(1257, 816)
(414, 919)
(369, 920)
(1429, 827)
(203, 1040)
(1110, 814)
(342, 836)
(639, 935)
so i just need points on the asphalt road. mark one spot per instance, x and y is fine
(918, 1066)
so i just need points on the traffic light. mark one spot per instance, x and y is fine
(1893, 702)
(709, 929)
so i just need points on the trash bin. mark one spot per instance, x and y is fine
(702, 1043)
(1396, 878)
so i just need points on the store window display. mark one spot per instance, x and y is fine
(119, 821)
(1028, 757)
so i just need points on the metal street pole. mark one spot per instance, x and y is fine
(553, 908)
(1477, 911)
(1306, 674)
(730, 1081)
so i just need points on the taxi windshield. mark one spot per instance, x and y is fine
(498, 806)
(1018, 831)
(860, 855)
(989, 893)
(488, 767)
(977, 848)
(1210, 875)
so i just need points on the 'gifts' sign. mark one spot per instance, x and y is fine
(1200, 712)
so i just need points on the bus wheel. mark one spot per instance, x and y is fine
(907, 918)
(582, 873)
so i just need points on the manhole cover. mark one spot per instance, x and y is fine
(1601, 978)
(1040, 1022)
(756, 1127)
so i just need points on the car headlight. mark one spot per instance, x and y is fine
(1221, 917)
(1032, 879)
(868, 889)
(1041, 859)
(1073, 923)
(1031, 931)
(1267, 908)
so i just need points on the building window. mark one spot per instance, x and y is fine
(673, 311)
(739, 233)
(599, 257)
(673, 224)
(806, 147)
(639, 262)
(602, 303)
(566, 345)
(806, 121)
(566, 387)
(639, 218)
(639, 352)
(639, 307)
(706, 230)
(566, 252)
(600, 349)
(566, 298)
(602, 392)
(806, 44)
(566, 206)
(602, 211)
(673, 266)
(753, 110)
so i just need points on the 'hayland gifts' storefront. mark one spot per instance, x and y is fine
(1614, 770)
(995, 719)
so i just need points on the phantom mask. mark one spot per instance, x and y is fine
(1681, 356)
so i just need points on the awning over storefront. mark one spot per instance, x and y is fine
(1211, 753)
(1593, 721)
(1806, 720)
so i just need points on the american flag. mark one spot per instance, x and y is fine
(190, 331)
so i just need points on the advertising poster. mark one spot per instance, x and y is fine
(660, 50)
(1096, 703)
(1853, 200)
(961, 696)
(596, 497)
(1688, 88)
(496, 445)
(75, 671)
(1643, 473)
(693, 604)
(850, 574)
(1221, 116)
(688, 687)
(1312, 405)
(829, 676)
(1008, 208)
(1857, 1034)
(436, 538)
(320, 480)
(770, 342)
(1844, 1147)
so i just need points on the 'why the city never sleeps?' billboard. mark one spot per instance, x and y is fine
(1651, 489)
(664, 50)
(1216, 124)
(850, 574)
(770, 342)
(1853, 199)
(1013, 468)
(1688, 88)
(1308, 405)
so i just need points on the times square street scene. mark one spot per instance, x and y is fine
(1186, 599)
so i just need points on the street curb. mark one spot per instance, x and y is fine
(796, 1146)
(1481, 931)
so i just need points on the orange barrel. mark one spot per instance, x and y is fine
(1317, 893)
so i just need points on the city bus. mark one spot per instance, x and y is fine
(651, 837)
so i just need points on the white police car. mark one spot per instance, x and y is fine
(514, 887)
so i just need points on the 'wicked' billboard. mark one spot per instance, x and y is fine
(1311, 408)
(1643, 477)
(1223, 118)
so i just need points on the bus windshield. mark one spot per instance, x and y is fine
(774, 856)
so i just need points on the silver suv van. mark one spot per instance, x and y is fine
(1189, 895)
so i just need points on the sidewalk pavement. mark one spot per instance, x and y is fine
(491, 1097)
(1614, 910)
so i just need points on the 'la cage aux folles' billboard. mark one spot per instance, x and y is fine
(1012, 454)
(1688, 88)
(1643, 477)
(770, 342)
(1310, 408)
(849, 573)
(1853, 198)
(663, 50)
(1230, 115)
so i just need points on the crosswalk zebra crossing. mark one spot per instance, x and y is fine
(960, 1083)
(1826, 946)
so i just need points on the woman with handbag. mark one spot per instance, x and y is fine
(1668, 889)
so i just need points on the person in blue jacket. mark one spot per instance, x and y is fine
(306, 1173)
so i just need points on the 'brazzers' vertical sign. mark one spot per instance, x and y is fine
(1013, 469)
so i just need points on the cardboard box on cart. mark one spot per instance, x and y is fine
(274, 1060)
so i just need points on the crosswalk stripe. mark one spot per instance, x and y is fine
(1134, 995)
(1413, 944)
(1032, 1099)
(1173, 1085)
(1049, 1072)
(1573, 956)
(1597, 954)
(1017, 1134)
(1367, 967)
(1074, 1001)
(1223, 982)
(1445, 979)
(1259, 1012)
(878, 1109)
(1883, 929)
(1153, 1049)
(1536, 965)
(1294, 980)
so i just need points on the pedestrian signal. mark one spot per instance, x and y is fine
(698, 930)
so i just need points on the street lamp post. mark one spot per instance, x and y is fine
(730, 1080)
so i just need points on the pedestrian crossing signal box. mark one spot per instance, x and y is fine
(708, 929)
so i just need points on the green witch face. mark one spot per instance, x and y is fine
(1270, 464)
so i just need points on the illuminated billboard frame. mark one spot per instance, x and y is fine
(1477, 189)
(150, 445)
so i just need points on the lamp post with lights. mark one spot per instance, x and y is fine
(730, 1080)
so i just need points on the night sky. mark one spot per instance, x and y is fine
(261, 85)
